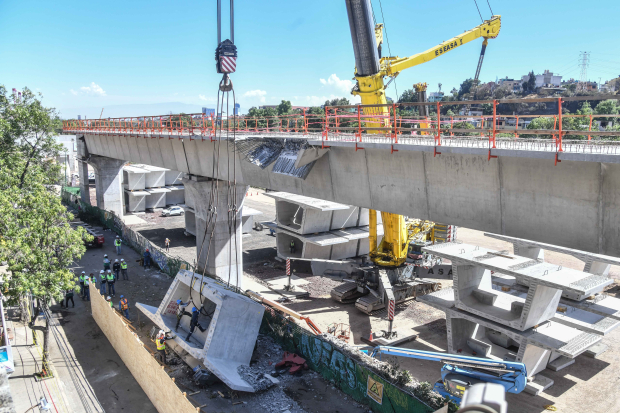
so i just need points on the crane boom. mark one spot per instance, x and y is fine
(488, 30)
(370, 70)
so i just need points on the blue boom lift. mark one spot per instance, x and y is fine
(461, 372)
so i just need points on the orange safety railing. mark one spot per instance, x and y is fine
(357, 123)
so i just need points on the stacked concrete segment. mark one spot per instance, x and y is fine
(230, 330)
(594, 263)
(320, 229)
(151, 187)
(486, 319)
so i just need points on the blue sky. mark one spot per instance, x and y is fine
(83, 54)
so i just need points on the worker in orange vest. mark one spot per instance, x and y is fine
(123, 306)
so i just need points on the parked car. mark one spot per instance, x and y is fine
(175, 210)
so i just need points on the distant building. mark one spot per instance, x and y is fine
(547, 79)
(609, 85)
(208, 111)
(435, 96)
(514, 85)
(237, 109)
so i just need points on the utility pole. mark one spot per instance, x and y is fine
(584, 57)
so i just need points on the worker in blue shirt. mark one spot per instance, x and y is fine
(147, 258)
(194, 323)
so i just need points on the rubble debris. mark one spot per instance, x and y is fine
(255, 378)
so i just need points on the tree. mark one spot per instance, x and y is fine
(408, 95)
(606, 107)
(338, 102)
(285, 107)
(529, 86)
(466, 87)
(36, 239)
(542, 123)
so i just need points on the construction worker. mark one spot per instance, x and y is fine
(111, 279)
(118, 243)
(181, 312)
(160, 341)
(106, 262)
(68, 296)
(109, 300)
(82, 276)
(147, 258)
(104, 281)
(292, 247)
(123, 306)
(116, 267)
(194, 323)
(167, 245)
(87, 281)
(124, 269)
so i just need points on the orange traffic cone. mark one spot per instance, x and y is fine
(370, 338)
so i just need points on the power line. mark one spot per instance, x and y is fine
(480, 14)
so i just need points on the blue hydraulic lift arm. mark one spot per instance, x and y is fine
(511, 375)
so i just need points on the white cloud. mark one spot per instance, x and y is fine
(93, 89)
(320, 100)
(256, 94)
(73, 92)
(343, 85)
(205, 98)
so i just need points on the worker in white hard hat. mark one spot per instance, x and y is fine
(106, 262)
(103, 280)
(118, 243)
(109, 300)
(81, 278)
(124, 269)
(116, 267)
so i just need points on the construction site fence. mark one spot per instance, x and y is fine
(167, 264)
(345, 372)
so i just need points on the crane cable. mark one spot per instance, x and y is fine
(387, 39)
(480, 14)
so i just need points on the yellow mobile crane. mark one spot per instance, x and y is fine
(402, 240)
(371, 69)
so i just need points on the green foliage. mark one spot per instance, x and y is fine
(487, 108)
(285, 107)
(530, 85)
(607, 107)
(408, 95)
(463, 125)
(338, 102)
(466, 87)
(36, 239)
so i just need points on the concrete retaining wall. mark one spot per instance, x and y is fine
(158, 386)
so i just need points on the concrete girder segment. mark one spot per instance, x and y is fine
(231, 326)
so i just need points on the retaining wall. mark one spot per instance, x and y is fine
(158, 386)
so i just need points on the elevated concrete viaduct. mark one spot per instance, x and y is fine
(521, 193)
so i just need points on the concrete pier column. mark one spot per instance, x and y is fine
(108, 187)
(84, 186)
(529, 252)
(597, 267)
(222, 253)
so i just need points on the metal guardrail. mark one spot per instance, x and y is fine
(387, 124)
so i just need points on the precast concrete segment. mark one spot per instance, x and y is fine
(135, 201)
(535, 345)
(541, 273)
(221, 243)
(230, 330)
(108, 176)
(586, 257)
(526, 197)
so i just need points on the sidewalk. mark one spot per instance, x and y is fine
(67, 391)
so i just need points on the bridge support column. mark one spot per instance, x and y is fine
(529, 252)
(108, 177)
(597, 267)
(221, 243)
(84, 185)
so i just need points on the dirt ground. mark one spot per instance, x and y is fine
(588, 385)
(116, 388)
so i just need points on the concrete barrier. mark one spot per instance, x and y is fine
(158, 386)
